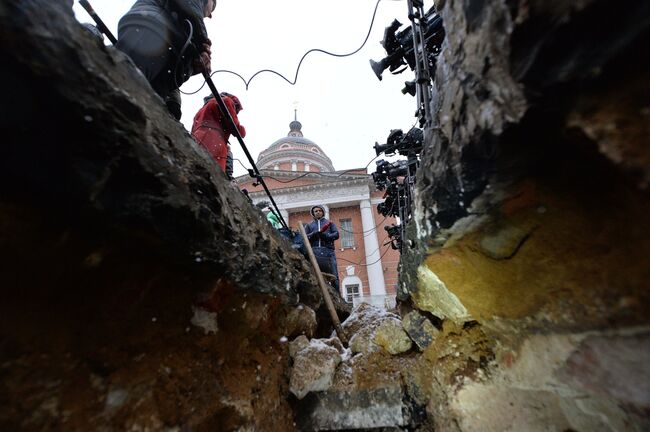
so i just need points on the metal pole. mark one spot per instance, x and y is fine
(422, 75)
(100, 24)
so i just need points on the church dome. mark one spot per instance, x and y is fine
(294, 153)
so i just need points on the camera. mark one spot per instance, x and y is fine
(388, 172)
(395, 234)
(392, 230)
(395, 200)
(380, 176)
(386, 208)
(398, 142)
(399, 45)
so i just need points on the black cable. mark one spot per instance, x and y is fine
(366, 265)
(367, 232)
(180, 55)
(295, 79)
(364, 233)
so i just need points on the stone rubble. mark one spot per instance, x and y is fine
(420, 329)
(313, 368)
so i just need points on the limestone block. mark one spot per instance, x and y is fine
(391, 336)
(313, 368)
(354, 409)
(419, 329)
(492, 408)
(362, 343)
(298, 344)
(433, 296)
(361, 325)
(301, 320)
(612, 366)
(365, 316)
(334, 342)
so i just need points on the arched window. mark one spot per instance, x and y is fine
(351, 289)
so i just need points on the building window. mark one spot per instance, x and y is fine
(347, 238)
(351, 291)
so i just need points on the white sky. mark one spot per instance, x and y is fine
(342, 106)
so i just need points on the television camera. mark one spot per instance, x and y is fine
(388, 172)
(399, 45)
(395, 234)
(393, 201)
(404, 144)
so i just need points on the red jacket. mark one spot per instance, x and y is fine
(208, 129)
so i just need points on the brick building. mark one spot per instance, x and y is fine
(300, 175)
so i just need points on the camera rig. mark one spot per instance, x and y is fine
(416, 47)
(397, 179)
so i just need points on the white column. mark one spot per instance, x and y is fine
(306, 166)
(375, 271)
(294, 166)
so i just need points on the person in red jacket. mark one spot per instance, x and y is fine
(211, 131)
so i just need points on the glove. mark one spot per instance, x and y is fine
(203, 62)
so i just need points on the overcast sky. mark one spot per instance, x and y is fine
(342, 106)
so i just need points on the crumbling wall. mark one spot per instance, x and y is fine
(532, 237)
(140, 290)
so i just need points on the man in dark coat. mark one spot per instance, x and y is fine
(157, 34)
(321, 234)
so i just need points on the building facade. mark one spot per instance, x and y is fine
(300, 175)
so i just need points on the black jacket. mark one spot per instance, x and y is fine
(154, 33)
(163, 11)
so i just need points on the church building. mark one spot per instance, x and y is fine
(300, 175)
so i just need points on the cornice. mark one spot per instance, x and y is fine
(334, 176)
(340, 184)
(321, 159)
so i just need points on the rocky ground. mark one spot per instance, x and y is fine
(130, 268)
(532, 239)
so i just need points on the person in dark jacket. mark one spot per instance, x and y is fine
(157, 35)
(230, 164)
(211, 131)
(321, 234)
